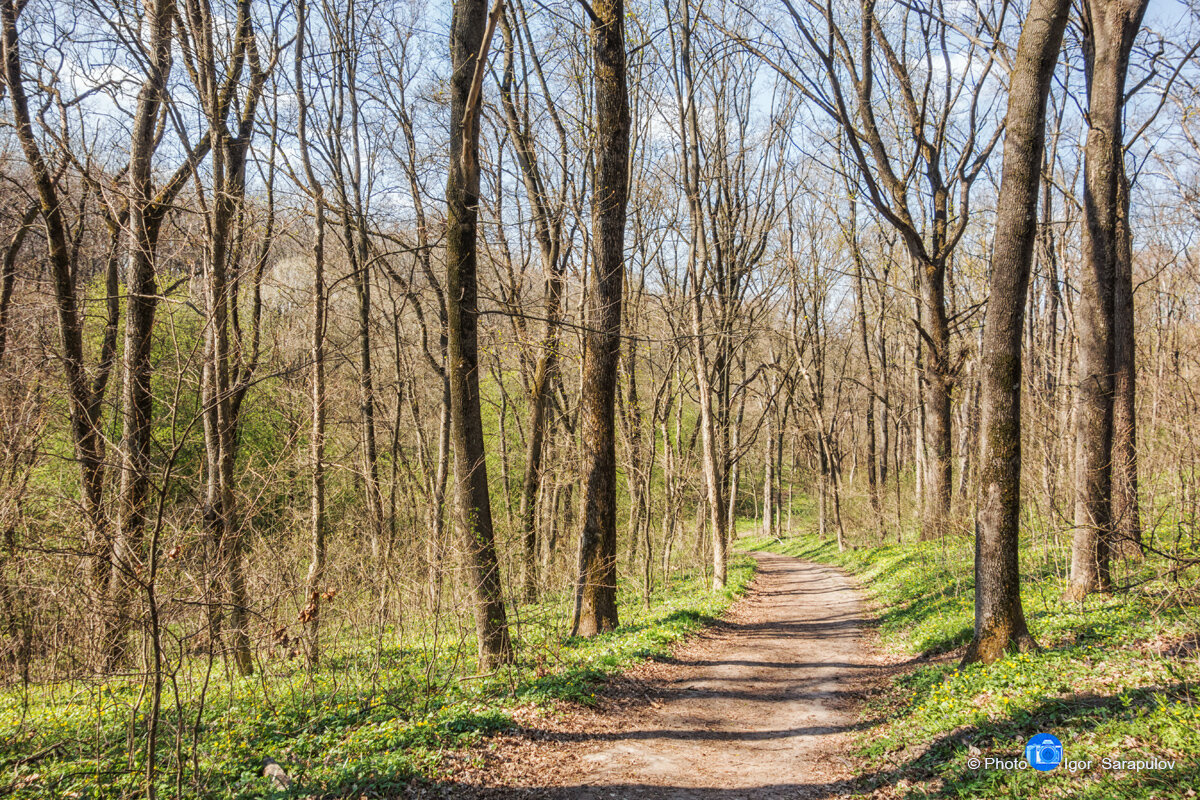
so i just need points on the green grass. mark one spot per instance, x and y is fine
(1100, 683)
(365, 724)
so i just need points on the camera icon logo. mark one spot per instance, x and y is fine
(1044, 752)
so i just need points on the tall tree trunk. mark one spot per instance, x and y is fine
(547, 219)
(85, 401)
(596, 587)
(1110, 27)
(137, 402)
(768, 514)
(359, 265)
(225, 552)
(1126, 511)
(310, 615)
(539, 400)
(999, 616)
(632, 423)
(222, 399)
(471, 32)
(698, 265)
(822, 486)
(733, 466)
(355, 211)
(920, 461)
(713, 488)
(873, 471)
(936, 400)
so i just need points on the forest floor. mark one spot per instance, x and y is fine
(762, 705)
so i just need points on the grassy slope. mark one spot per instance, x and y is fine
(1100, 682)
(367, 722)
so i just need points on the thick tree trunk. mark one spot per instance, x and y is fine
(999, 617)
(221, 409)
(471, 29)
(1110, 27)
(596, 587)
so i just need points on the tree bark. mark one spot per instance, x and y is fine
(228, 175)
(471, 31)
(999, 617)
(596, 588)
(768, 514)
(137, 403)
(84, 396)
(1126, 511)
(310, 614)
(938, 386)
(547, 219)
(1109, 27)
(873, 472)
(698, 265)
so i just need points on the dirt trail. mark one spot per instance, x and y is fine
(760, 707)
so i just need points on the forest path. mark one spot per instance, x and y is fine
(760, 706)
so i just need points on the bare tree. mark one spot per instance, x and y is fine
(1110, 27)
(933, 164)
(310, 615)
(146, 212)
(224, 382)
(999, 617)
(596, 587)
(85, 388)
(548, 205)
(472, 29)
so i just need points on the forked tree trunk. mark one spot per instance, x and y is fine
(1110, 28)
(999, 617)
(84, 397)
(228, 175)
(137, 402)
(596, 586)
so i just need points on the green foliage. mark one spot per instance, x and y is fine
(363, 725)
(1106, 681)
